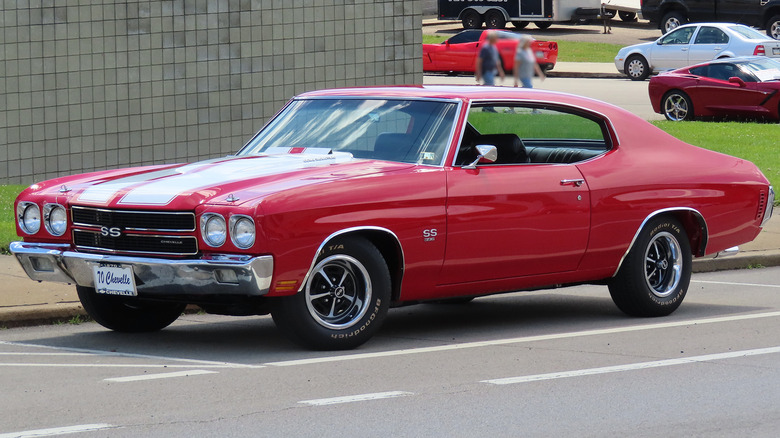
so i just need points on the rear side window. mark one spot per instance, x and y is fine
(711, 35)
(548, 135)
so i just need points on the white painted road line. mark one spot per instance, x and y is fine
(114, 365)
(728, 283)
(633, 366)
(497, 342)
(160, 376)
(356, 398)
(57, 431)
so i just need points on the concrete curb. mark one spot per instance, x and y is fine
(587, 75)
(740, 261)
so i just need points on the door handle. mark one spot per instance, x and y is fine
(572, 182)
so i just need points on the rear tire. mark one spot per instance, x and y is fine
(637, 68)
(344, 301)
(543, 24)
(471, 20)
(494, 19)
(677, 106)
(773, 27)
(123, 314)
(672, 20)
(627, 16)
(520, 24)
(656, 272)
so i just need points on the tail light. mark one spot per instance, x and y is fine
(759, 50)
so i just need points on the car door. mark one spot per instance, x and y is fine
(671, 50)
(460, 51)
(516, 218)
(714, 92)
(708, 43)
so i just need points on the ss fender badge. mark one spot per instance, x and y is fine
(429, 235)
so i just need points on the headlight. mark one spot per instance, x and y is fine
(242, 231)
(29, 216)
(55, 218)
(213, 229)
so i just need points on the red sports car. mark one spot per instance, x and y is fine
(351, 201)
(747, 87)
(459, 53)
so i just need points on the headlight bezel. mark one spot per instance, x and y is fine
(22, 209)
(49, 210)
(235, 221)
(213, 218)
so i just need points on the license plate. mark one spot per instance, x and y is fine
(540, 54)
(776, 50)
(114, 279)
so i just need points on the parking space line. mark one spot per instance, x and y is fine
(632, 366)
(209, 363)
(114, 365)
(729, 283)
(356, 398)
(526, 339)
(160, 376)
(58, 431)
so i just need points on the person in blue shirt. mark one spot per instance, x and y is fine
(488, 62)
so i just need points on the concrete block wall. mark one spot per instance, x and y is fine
(88, 85)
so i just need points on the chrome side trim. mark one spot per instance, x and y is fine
(700, 217)
(346, 231)
(770, 205)
(53, 262)
(728, 252)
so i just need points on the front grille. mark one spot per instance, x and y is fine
(134, 220)
(136, 243)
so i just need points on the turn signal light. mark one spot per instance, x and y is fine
(759, 51)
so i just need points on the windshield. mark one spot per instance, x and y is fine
(765, 69)
(748, 32)
(407, 131)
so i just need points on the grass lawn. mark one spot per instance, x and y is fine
(7, 222)
(568, 51)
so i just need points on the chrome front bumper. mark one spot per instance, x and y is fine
(217, 275)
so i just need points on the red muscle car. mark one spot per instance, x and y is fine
(459, 53)
(748, 87)
(351, 201)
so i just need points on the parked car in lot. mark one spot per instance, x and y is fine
(669, 14)
(351, 201)
(459, 53)
(691, 44)
(725, 87)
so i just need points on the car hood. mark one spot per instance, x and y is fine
(232, 180)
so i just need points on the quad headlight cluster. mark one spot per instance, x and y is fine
(54, 218)
(215, 230)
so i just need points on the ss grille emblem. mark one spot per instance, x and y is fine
(112, 232)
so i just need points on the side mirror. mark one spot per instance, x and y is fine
(447, 43)
(487, 154)
(736, 80)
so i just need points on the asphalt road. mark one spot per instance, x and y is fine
(549, 363)
(625, 93)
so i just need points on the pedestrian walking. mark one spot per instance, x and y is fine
(525, 63)
(488, 62)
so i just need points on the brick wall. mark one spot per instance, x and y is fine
(87, 85)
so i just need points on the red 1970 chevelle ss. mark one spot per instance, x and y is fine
(351, 201)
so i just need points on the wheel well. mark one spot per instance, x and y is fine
(502, 11)
(388, 245)
(769, 13)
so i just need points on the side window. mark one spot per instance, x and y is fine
(711, 35)
(468, 36)
(678, 36)
(724, 71)
(700, 71)
(523, 134)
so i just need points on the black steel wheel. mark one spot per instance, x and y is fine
(494, 19)
(671, 21)
(471, 20)
(123, 314)
(773, 27)
(637, 68)
(344, 301)
(520, 24)
(543, 24)
(677, 106)
(656, 272)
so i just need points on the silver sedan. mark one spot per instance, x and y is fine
(691, 44)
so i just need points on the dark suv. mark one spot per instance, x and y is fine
(764, 14)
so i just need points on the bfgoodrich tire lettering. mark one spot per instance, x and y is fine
(128, 314)
(344, 301)
(655, 274)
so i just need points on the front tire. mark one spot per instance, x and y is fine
(672, 20)
(344, 301)
(131, 315)
(637, 68)
(655, 274)
(627, 16)
(471, 20)
(773, 27)
(677, 106)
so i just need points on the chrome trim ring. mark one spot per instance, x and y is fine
(47, 210)
(21, 212)
(205, 219)
(663, 264)
(234, 219)
(338, 292)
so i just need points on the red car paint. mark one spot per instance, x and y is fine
(461, 56)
